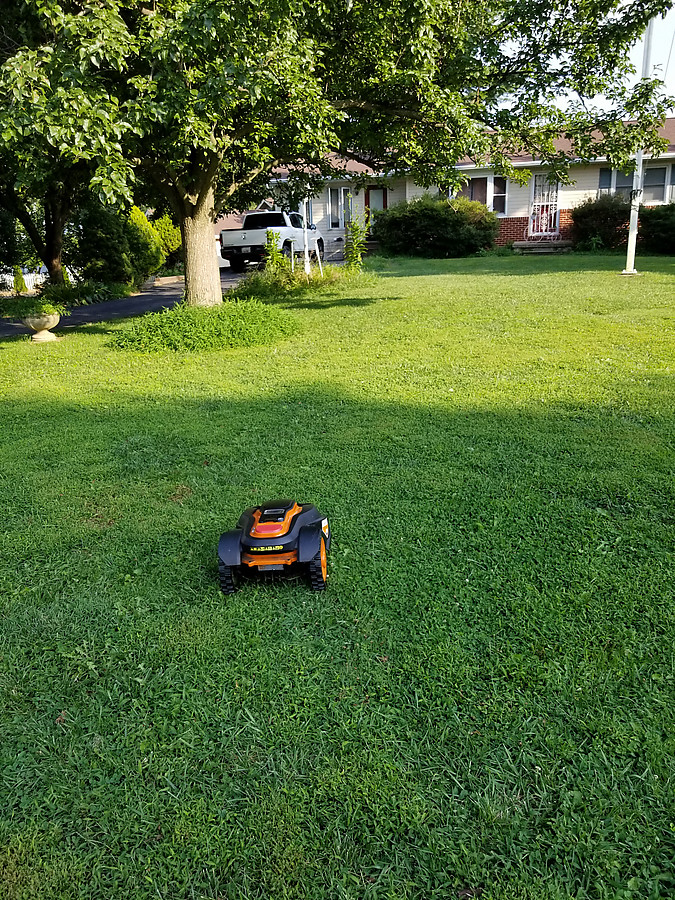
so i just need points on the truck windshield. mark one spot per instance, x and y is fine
(264, 220)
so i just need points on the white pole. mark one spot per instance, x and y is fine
(636, 193)
(305, 242)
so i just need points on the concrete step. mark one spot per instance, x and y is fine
(528, 247)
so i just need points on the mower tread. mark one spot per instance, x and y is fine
(317, 575)
(227, 583)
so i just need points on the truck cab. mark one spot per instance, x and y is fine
(240, 246)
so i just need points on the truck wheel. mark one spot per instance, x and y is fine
(238, 265)
(318, 568)
(227, 582)
(319, 250)
(286, 250)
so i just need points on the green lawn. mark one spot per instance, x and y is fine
(482, 704)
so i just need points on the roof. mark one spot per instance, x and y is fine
(667, 130)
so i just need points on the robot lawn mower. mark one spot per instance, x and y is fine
(281, 536)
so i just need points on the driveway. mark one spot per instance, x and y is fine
(151, 300)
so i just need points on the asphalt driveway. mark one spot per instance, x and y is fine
(151, 300)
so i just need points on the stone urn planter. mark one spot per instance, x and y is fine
(41, 324)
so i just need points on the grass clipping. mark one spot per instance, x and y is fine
(242, 323)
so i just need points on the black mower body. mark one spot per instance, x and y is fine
(275, 537)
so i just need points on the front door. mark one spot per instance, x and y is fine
(544, 216)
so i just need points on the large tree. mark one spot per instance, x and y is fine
(206, 98)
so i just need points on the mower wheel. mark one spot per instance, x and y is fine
(318, 568)
(227, 582)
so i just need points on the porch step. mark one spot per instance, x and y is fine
(527, 248)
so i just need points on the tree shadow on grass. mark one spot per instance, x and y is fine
(487, 674)
(319, 302)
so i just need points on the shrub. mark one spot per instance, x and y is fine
(145, 247)
(194, 328)
(435, 228)
(602, 223)
(19, 282)
(657, 228)
(99, 249)
(83, 293)
(271, 284)
(170, 239)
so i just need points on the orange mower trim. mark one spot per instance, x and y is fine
(324, 560)
(279, 559)
(273, 529)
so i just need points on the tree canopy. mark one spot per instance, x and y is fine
(205, 99)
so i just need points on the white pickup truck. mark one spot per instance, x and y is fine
(247, 244)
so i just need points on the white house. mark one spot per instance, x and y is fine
(535, 209)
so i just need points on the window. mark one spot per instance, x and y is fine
(654, 184)
(475, 189)
(264, 220)
(605, 184)
(340, 206)
(624, 184)
(499, 195)
(334, 207)
(296, 220)
(487, 189)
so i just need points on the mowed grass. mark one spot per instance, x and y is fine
(480, 705)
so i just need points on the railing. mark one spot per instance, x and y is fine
(32, 279)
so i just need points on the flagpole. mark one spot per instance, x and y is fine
(636, 193)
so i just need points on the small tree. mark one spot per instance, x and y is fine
(356, 236)
(20, 286)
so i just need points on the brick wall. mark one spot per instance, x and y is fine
(566, 224)
(511, 229)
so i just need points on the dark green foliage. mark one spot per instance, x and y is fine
(232, 324)
(435, 228)
(100, 250)
(601, 223)
(8, 243)
(83, 293)
(145, 246)
(657, 228)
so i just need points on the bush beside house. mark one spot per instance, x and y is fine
(435, 228)
(601, 223)
(657, 229)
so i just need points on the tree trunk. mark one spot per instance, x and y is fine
(52, 257)
(202, 273)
